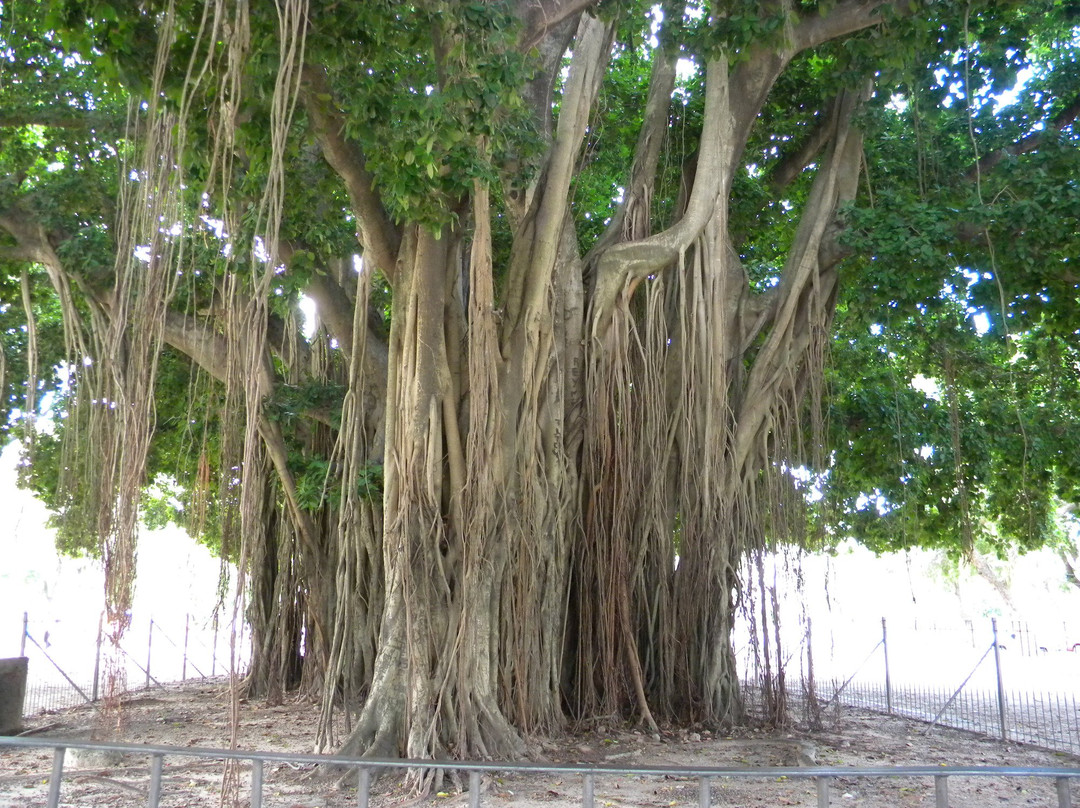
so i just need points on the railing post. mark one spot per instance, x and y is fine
(888, 681)
(25, 631)
(822, 792)
(1000, 684)
(587, 792)
(941, 791)
(705, 792)
(156, 762)
(149, 642)
(474, 789)
(256, 783)
(1063, 793)
(363, 788)
(56, 777)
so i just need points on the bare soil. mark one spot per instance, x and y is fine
(197, 714)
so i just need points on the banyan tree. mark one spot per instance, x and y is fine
(570, 271)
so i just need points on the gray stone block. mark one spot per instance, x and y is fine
(12, 694)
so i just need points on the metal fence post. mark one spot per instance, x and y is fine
(57, 776)
(97, 657)
(187, 626)
(256, 783)
(1063, 794)
(888, 681)
(363, 788)
(822, 792)
(474, 789)
(154, 796)
(25, 631)
(941, 791)
(149, 642)
(705, 792)
(1000, 685)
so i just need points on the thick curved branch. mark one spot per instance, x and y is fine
(531, 270)
(32, 244)
(380, 237)
(185, 333)
(806, 290)
(337, 311)
(625, 264)
(844, 18)
(17, 253)
(753, 79)
(631, 220)
(31, 241)
(334, 308)
(540, 17)
(732, 102)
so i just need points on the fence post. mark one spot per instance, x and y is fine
(888, 681)
(149, 641)
(822, 792)
(1063, 794)
(25, 631)
(941, 791)
(474, 789)
(997, 670)
(97, 656)
(187, 625)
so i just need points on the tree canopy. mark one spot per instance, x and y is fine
(491, 338)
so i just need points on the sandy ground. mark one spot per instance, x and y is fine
(196, 714)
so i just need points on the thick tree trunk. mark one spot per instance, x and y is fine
(695, 385)
(433, 690)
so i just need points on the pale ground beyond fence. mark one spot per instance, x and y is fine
(69, 669)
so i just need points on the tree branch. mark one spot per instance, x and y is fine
(62, 118)
(540, 17)
(380, 237)
(791, 165)
(732, 103)
(1030, 143)
(31, 241)
(805, 293)
(627, 263)
(210, 350)
(334, 307)
(531, 269)
(631, 220)
(844, 18)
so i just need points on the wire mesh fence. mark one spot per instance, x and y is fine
(1031, 696)
(74, 668)
(1050, 720)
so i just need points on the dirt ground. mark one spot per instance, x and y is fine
(196, 714)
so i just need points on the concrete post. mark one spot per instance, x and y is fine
(12, 694)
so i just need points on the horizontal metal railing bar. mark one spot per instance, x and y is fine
(559, 768)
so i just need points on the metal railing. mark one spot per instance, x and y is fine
(1060, 778)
